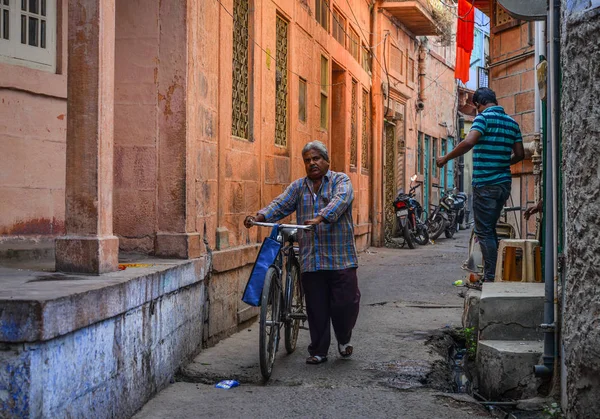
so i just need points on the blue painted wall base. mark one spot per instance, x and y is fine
(110, 368)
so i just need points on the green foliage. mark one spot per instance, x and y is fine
(553, 411)
(470, 335)
(445, 20)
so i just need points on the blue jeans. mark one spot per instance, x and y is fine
(488, 201)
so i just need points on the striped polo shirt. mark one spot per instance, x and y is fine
(492, 153)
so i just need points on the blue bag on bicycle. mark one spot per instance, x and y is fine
(266, 257)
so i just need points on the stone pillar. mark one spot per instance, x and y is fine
(377, 139)
(176, 211)
(89, 246)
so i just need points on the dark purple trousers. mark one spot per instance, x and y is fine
(332, 297)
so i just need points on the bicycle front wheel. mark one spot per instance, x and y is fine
(295, 306)
(269, 322)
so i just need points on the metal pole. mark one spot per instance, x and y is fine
(546, 370)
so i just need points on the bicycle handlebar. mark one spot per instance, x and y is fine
(287, 226)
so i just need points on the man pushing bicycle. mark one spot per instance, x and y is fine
(328, 256)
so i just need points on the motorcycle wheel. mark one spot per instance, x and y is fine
(408, 236)
(451, 229)
(436, 226)
(449, 232)
(422, 236)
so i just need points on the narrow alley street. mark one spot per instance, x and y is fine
(407, 297)
(142, 139)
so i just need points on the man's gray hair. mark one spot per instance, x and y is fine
(319, 147)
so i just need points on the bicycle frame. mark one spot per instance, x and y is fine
(289, 252)
(281, 305)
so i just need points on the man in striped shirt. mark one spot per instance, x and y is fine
(497, 144)
(328, 255)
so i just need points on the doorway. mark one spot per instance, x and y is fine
(426, 173)
(338, 118)
(389, 174)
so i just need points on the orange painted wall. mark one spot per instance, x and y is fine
(438, 119)
(257, 171)
(226, 177)
(136, 132)
(439, 94)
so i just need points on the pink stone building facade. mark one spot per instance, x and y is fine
(158, 126)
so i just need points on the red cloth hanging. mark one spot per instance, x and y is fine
(466, 25)
(464, 39)
(463, 65)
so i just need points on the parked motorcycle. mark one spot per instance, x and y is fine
(409, 215)
(447, 216)
(459, 207)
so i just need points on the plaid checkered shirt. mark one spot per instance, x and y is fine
(331, 245)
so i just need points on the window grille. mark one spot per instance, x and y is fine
(324, 94)
(354, 44)
(502, 15)
(302, 100)
(354, 127)
(4, 19)
(240, 108)
(396, 60)
(339, 27)
(365, 59)
(282, 82)
(322, 13)
(28, 33)
(483, 79)
(365, 129)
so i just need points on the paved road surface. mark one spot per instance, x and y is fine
(407, 297)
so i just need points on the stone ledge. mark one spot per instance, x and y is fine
(25, 250)
(234, 258)
(511, 311)
(505, 369)
(39, 306)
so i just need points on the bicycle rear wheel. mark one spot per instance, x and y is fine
(295, 305)
(269, 322)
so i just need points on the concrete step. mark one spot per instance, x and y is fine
(511, 311)
(505, 369)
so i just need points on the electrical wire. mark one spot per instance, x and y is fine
(481, 25)
(363, 34)
(388, 76)
(435, 81)
(341, 26)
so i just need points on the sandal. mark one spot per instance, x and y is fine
(345, 350)
(316, 359)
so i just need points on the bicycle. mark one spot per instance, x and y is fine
(281, 307)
